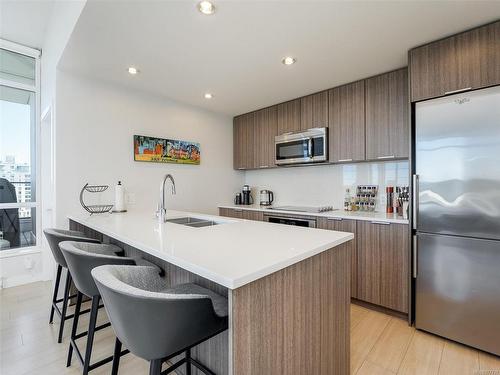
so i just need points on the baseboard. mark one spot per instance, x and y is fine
(9, 282)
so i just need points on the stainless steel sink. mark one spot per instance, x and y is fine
(192, 222)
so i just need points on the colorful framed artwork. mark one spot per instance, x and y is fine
(161, 150)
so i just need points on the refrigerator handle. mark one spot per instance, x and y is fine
(415, 201)
(415, 256)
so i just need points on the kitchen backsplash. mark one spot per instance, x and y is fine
(326, 184)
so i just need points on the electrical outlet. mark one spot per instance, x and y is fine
(28, 262)
(130, 198)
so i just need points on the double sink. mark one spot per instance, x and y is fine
(193, 222)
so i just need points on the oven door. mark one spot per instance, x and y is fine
(297, 221)
(304, 147)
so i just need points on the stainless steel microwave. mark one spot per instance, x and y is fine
(310, 146)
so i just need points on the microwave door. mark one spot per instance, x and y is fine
(293, 151)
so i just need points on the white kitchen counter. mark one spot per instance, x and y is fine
(355, 215)
(232, 254)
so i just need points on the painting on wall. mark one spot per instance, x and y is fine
(162, 150)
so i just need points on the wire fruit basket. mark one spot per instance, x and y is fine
(95, 208)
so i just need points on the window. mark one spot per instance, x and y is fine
(19, 114)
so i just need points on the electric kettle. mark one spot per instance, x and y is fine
(266, 197)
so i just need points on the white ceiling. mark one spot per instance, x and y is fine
(236, 53)
(25, 21)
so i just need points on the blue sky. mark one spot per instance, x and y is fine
(15, 131)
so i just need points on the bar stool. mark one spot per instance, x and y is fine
(157, 322)
(81, 258)
(54, 237)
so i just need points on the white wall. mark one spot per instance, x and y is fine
(94, 143)
(62, 21)
(326, 184)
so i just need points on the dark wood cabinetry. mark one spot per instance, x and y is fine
(467, 60)
(345, 225)
(383, 256)
(314, 111)
(243, 141)
(288, 116)
(241, 214)
(346, 111)
(386, 106)
(265, 129)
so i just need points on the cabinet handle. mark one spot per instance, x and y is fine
(335, 218)
(415, 249)
(264, 166)
(386, 157)
(240, 168)
(457, 91)
(381, 222)
(344, 160)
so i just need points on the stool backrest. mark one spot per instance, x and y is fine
(82, 257)
(55, 236)
(149, 323)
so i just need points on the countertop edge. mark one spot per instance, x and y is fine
(228, 283)
(330, 214)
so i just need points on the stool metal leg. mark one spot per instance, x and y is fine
(188, 362)
(90, 337)
(78, 307)
(56, 290)
(155, 367)
(116, 357)
(64, 307)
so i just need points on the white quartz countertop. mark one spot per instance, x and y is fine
(354, 215)
(233, 253)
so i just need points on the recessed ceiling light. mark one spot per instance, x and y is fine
(208, 95)
(206, 7)
(288, 60)
(133, 70)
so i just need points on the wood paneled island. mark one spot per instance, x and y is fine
(288, 288)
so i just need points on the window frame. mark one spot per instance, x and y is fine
(36, 54)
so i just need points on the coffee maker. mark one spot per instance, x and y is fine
(246, 195)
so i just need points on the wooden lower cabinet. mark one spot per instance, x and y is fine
(345, 225)
(383, 264)
(241, 214)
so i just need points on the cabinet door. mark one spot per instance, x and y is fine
(466, 60)
(383, 256)
(238, 142)
(231, 212)
(345, 225)
(266, 127)
(346, 110)
(368, 273)
(288, 116)
(394, 267)
(387, 131)
(314, 111)
(252, 215)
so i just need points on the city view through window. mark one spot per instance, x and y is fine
(18, 201)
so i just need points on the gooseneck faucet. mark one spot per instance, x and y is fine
(162, 209)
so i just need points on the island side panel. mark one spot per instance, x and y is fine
(295, 321)
(213, 353)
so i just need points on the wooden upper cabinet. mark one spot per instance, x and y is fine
(266, 127)
(288, 115)
(466, 60)
(386, 114)
(314, 111)
(243, 141)
(346, 110)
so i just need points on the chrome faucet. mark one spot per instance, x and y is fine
(161, 213)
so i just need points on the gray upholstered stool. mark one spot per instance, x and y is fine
(81, 259)
(54, 237)
(157, 322)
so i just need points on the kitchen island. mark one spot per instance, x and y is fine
(288, 287)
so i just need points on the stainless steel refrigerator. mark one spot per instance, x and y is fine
(456, 218)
